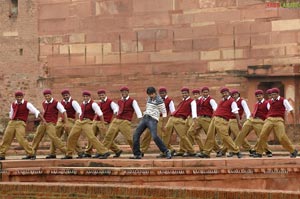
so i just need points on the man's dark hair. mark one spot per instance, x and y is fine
(150, 90)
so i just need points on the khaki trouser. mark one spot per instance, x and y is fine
(235, 131)
(99, 130)
(116, 126)
(59, 132)
(146, 139)
(255, 124)
(277, 124)
(219, 126)
(181, 128)
(51, 131)
(15, 129)
(84, 126)
(203, 123)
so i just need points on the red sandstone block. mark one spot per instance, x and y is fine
(147, 46)
(284, 37)
(288, 13)
(225, 41)
(218, 16)
(82, 9)
(261, 27)
(187, 5)
(206, 44)
(210, 30)
(145, 20)
(164, 45)
(183, 33)
(269, 52)
(153, 6)
(183, 45)
(243, 27)
(114, 7)
(242, 40)
(225, 28)
(182, 19)
(226, 3)
(54, 11)
(260, 39)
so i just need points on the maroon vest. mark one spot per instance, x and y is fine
(261, 110)
(107, 111)
(20, 111)
(125, 109)
(224, 109)
(51, 112)
(69, 108)
(241, 109)
(204, 108)
(167, 102)
(277, 108)
(87, 111)
(184, 109)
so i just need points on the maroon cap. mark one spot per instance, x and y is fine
(101, 91)
(224, 89)
(185, 89)
(19, 93)
(259, 92)
(234, 91)
(65, 91)
(205, 88)
(269, 91)
(124, 88)
(275, 90)
(47, 91)
(162, 89)
(196, 91)
(86, 93)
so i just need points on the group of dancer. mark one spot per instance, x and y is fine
(160, 119)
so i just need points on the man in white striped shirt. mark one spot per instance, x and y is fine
(155, 106)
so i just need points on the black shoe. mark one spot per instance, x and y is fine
(238, 154)
(230, 154)
(257, 155)
(136, 157)
(173, 151)
(104, 156)
(168, 154)
(161, 155)
(220, 154)
(269, 154)
(294, 154)
(187, 154)
(251, 152)
(118, 154)
(50, 156)
(86, 155)
(67, 157)
(2, 158)
(178, 154)
(202, 155)
(29, 157)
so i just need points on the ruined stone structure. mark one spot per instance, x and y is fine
(92, 44)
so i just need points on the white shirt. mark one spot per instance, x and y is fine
(75, 105)
(245, 107)
(59, 106)
(29, 106)
(95, 107)
(136, 108)
(194, 108)
(212, 103)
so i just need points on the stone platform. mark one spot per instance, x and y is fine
(276, 173)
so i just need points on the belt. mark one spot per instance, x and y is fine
(223, 118)
(85, 118)
(19, 120)
(258, 118)
(205, 116)
(182, 117)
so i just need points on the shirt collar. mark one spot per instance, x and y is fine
(86, 102)
(276, 98)
(104, 99)
(186, 98)
(125, 98)
(22, 102)
(69, 100)
(237, 99)
(226, 98)
(50, 101)
(261, 101)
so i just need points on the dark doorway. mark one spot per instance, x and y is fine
(267, 85)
